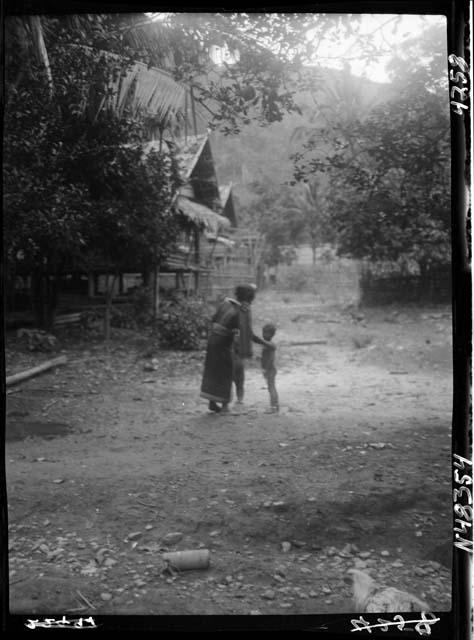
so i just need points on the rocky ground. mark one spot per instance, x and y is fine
(113, 459)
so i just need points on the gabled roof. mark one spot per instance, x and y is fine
(224, 192)
(189, 152)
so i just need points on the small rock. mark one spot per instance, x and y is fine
(215, 533)
(328, 601)
(255, 612)
(106, 596)
(110, 562)
(397, 563)
(385, 553)
(365, 554)
(58, 481)
(149, 527)
(286, 546)
(313, 594)
(326, 590)
(134, 535)
(268, 595)
(299, 544)
(173, 537)
(280, 506)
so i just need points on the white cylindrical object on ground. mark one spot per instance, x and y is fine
(187, 560)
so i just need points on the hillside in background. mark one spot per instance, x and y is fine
(257, 161)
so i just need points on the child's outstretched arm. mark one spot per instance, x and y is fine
(264, 343)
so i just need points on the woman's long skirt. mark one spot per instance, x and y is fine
(217, 379)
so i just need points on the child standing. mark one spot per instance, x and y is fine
(268, 364)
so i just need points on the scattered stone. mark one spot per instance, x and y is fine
(286, 546)
(285, 605)
(268, 595)
(215, 533)
(106, 596)
(134, 535)
(365, 554)
(173, 537)
(313, 594)
(58, 481)
(149, 527)
(306, 570)
(397, 563)
(328, 601)
(255, 612)
(385, 553)
(299, 544)
(331, 551)
(110, 562)
(280, 506)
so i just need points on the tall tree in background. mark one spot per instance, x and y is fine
(389, 171)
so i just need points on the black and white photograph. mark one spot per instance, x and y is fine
(228, 315)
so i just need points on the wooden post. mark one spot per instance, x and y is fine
(186, 117)
(156, 292)
(90, 285)
(193, 108)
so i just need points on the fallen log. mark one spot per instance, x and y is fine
(30, 373)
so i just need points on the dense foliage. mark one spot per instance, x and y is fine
(182, 324)
(79, 189)
(387, 168)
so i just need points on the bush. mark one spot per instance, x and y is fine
(37, 340)
(182, 325)
(295, 279)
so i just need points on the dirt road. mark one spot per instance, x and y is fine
(109, 464)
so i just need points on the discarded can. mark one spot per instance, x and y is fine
(187, 560)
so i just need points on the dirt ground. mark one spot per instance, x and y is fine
(110, 463)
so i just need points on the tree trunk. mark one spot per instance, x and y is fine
(156, 292)
(39, 47)
(109, 294)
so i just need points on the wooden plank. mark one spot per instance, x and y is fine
(29, 373)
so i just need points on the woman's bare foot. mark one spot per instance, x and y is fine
(213, 406)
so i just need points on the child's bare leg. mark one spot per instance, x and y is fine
(274, 403)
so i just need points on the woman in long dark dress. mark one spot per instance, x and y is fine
(232, 316)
